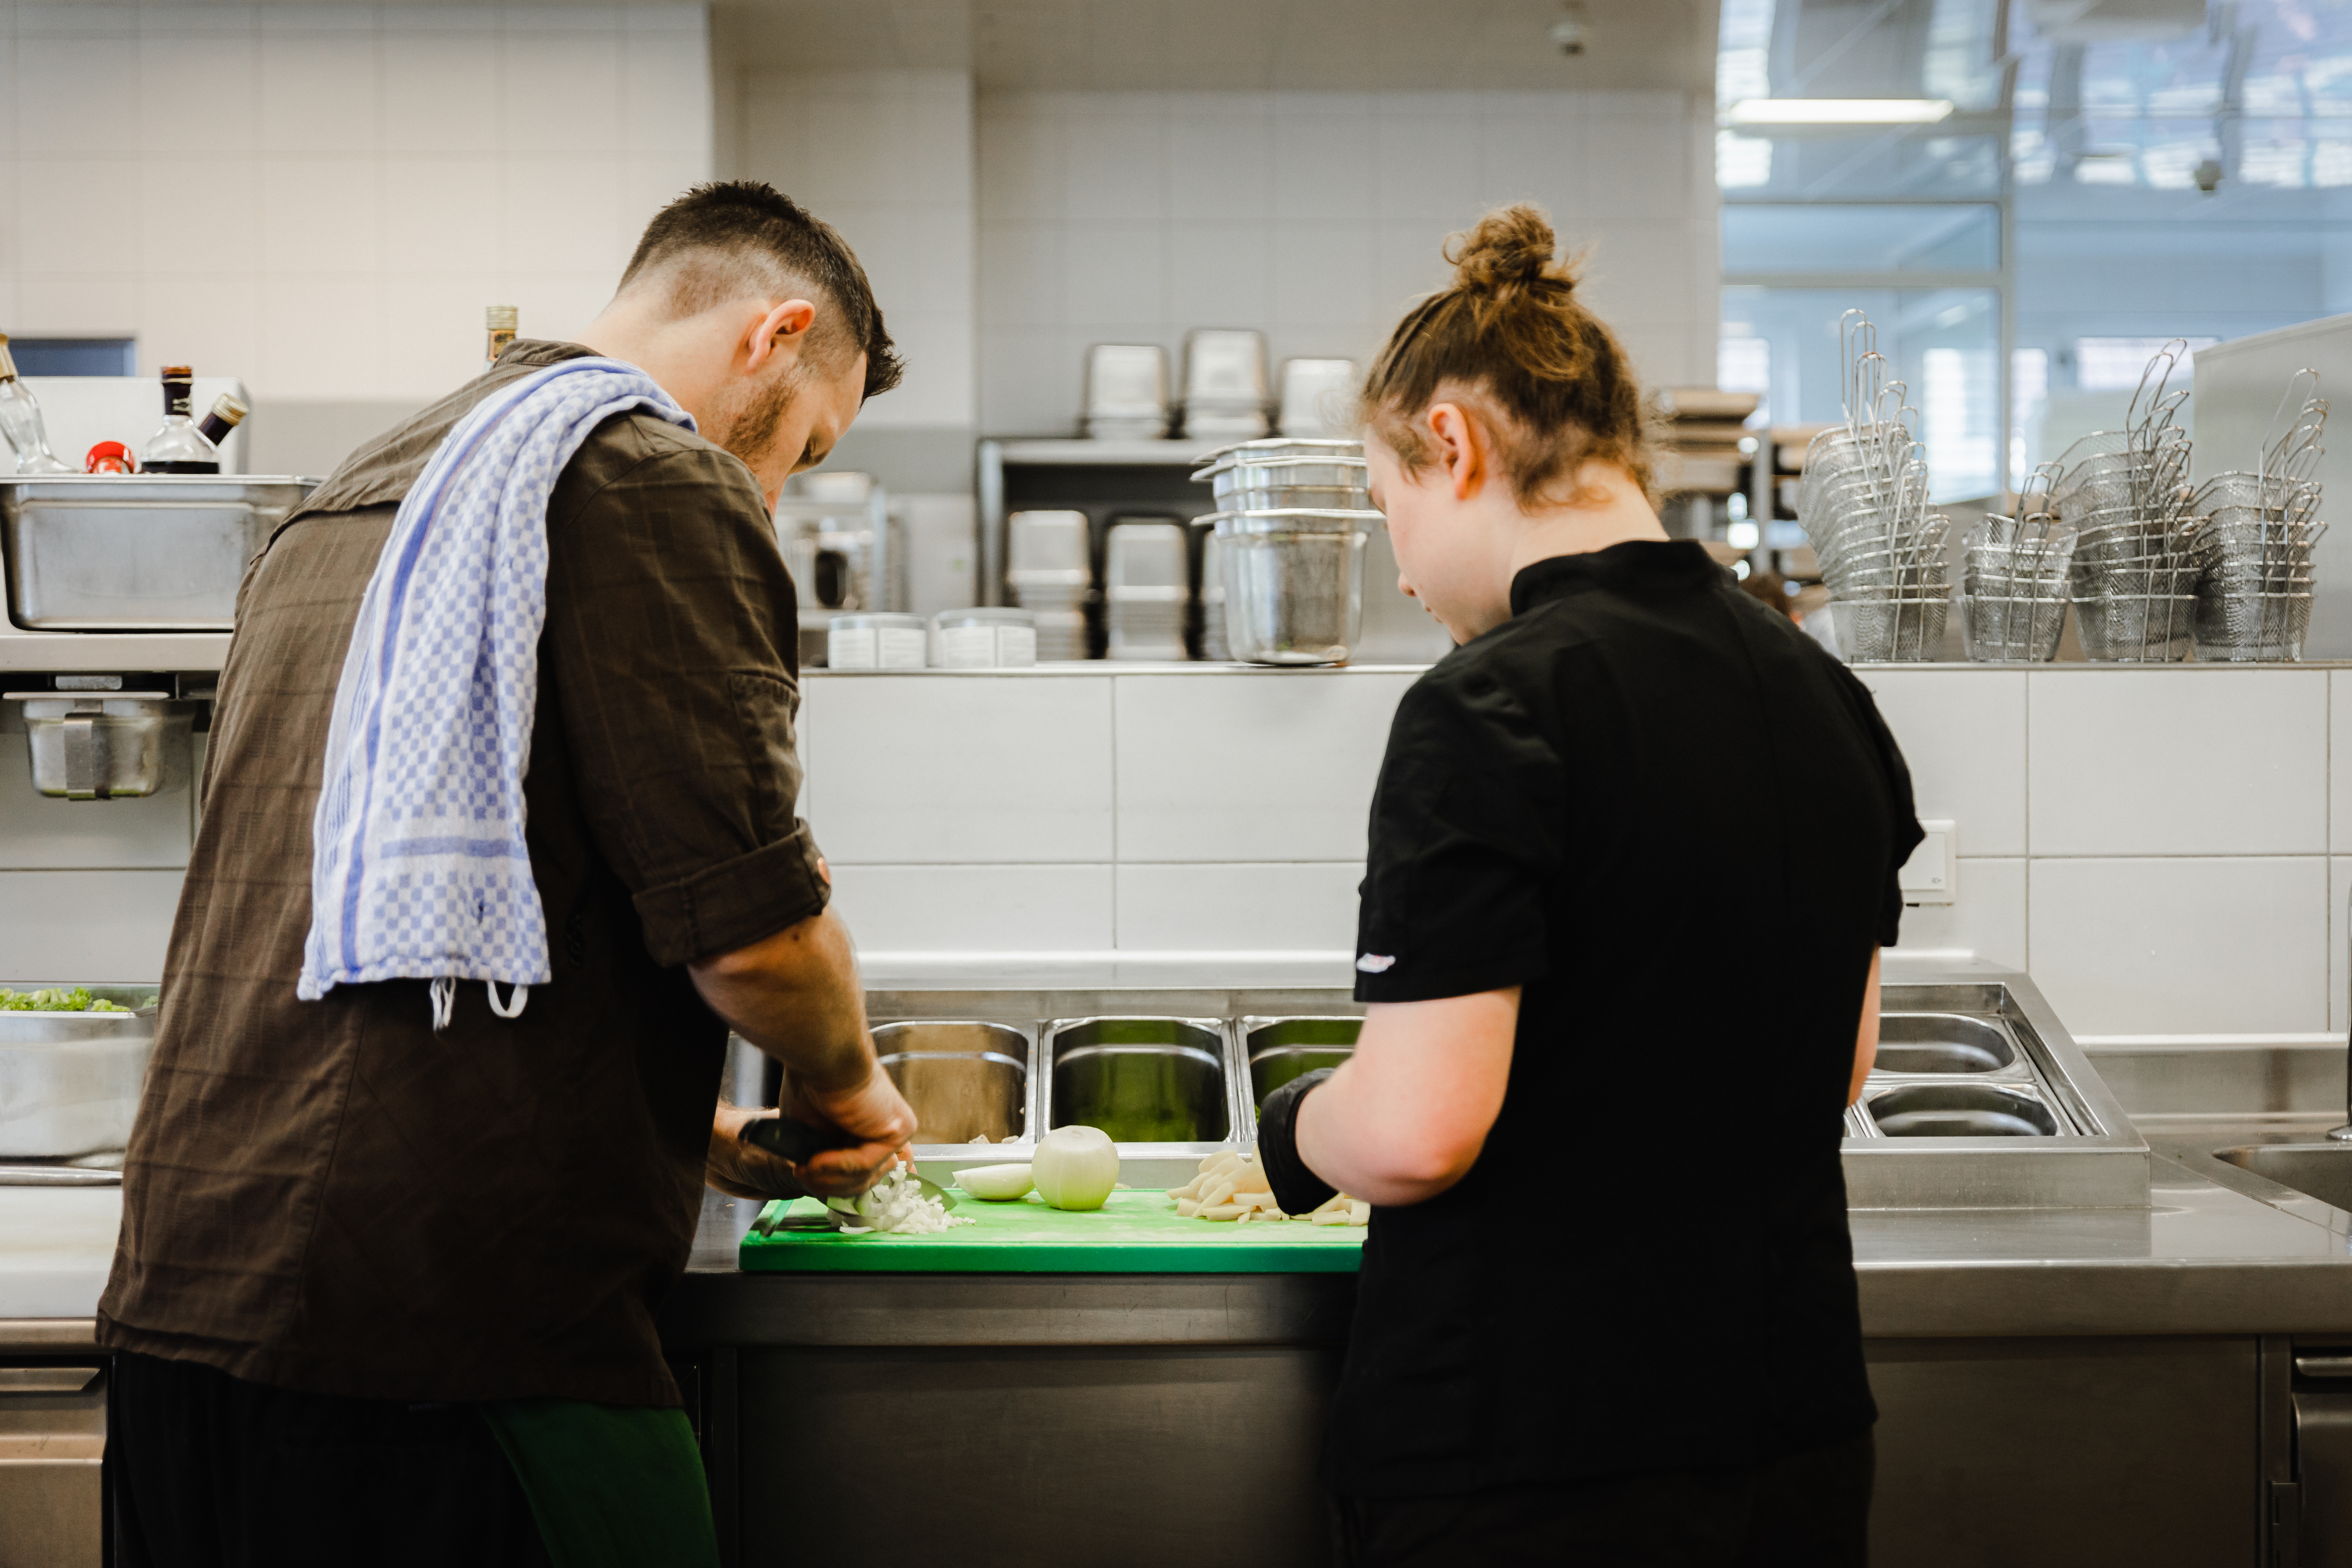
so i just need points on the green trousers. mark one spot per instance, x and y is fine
(611, 1486)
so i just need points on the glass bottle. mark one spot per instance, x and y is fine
(502, 321)
(20, 421)
(179, 448)
(227, 414)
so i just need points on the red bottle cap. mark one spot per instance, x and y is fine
(110, 458)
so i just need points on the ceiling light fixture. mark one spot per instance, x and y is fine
(1840, 111)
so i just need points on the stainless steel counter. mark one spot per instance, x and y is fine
(2123, 1378)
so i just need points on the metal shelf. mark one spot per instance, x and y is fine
(1089, 454)
(111, 652)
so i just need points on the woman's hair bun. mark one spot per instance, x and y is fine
(1510, 247)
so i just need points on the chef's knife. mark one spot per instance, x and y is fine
(789, 1137)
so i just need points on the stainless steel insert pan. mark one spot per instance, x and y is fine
(136, 552)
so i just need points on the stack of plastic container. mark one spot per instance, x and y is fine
(1050, 573)
(1145, 589)
(1224, 384)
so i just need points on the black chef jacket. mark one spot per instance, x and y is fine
(1674, 821)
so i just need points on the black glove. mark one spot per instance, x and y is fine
(1296, 1189)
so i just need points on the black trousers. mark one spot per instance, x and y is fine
(1807, 1510)
(210, 1471)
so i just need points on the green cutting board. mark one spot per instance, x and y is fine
(1134, 1233)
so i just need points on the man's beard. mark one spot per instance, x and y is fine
(749, 430)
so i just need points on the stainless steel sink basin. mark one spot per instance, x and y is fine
(964, 1080)
(1280, 1049)
(1142, 1081)
(1959, 1110)
(2323, 1170)
(1942, 1043)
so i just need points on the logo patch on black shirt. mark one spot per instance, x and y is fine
(1376, 963)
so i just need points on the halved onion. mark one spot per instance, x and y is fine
(994, 1183)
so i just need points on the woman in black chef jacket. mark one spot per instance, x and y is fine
(1607, 1311)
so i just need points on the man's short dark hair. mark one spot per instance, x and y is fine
(731, 237)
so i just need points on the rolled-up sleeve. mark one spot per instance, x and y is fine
(672, 637)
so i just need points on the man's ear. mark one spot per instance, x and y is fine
(782, 330)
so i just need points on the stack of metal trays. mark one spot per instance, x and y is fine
(2013, 580)
(2254, 538)
(1290, 531)
(2126, 494)
(1863, 500)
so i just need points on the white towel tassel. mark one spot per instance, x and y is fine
(445, 1001)
(521, 995)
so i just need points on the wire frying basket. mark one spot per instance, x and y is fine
(2134, 568)
(2254, 541)
(2013, 596)
(1863, 501)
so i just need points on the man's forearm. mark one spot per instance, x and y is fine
(797, 997)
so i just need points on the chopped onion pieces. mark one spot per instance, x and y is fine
(897, 1205)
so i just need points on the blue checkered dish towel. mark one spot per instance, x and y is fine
(418, 866)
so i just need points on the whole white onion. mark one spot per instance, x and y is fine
(1075, 1167)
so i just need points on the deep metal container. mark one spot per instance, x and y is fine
(1142, 1081)
(90, 553)
(70, 1082)
(963, 1081)
(1280, 1049)
(1293, 583)
(1942, 1043)
(108, 745)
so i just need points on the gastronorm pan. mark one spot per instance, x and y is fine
(144, 553)
(1277, 1050)
(1140, 1080)
(1946, 1109)
(965, 1081)
(1945, 1044)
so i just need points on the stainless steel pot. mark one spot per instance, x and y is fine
(1293, 583)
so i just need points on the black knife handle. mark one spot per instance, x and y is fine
(788, 1138)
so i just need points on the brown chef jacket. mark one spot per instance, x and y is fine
(329, 1196)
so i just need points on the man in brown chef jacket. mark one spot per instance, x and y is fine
(383, 1294)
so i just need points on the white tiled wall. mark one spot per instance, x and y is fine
(2149, 845)
(886, 156)
(321, 199)
(1153, 810)
(1131, 810)
(1317, 218)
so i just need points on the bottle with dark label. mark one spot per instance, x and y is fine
(227, 416)
(20, 421)
(502, 321)
(179, 448)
